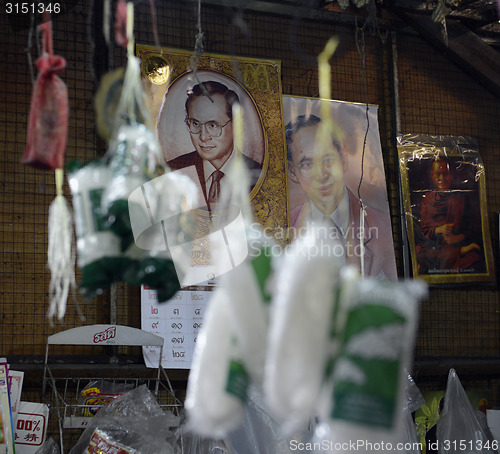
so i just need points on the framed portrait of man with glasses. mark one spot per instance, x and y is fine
(192, 112)
(209, 123)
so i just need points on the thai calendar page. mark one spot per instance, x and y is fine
(178, 321)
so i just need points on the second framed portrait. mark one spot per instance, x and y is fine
(328, 183)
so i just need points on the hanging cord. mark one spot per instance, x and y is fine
(29, 45)
(107, 20)
(198, 45)
(371, 23)
(237, 24)
(152, 7)
(130, 29)
(90, 25)
(360, 46)
(198, 51)
(46, 29)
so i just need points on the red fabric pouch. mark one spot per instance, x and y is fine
(48, 119)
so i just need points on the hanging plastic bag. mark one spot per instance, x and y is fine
(414, 398)
(133, 154)
(459, 429)
(98, 248)
(248, 316)
(246, 281)
(260, 433)
(413, 401)
(194, 444)
(161, 217)
(133, 159)
(300, 319)
(50, 446)
(242, 259)
(48, 118)
(217, 386)
(368, 378)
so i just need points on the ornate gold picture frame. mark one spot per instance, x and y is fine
(168, 77)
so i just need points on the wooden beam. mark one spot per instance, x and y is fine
(464, 48)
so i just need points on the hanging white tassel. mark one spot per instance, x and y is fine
(60, 253)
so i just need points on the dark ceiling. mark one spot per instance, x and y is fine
(465, 31)
(479, 16)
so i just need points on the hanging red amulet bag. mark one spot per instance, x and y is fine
(48, 120)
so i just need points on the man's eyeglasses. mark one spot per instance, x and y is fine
(306, 168)
(212, 127)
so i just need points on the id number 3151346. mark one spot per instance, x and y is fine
(32, 8)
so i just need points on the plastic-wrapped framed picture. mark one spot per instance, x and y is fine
(444, 193)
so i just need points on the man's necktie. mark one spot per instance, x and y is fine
(214, 192)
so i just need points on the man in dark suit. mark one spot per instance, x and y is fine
(209, 115)
(320, 173)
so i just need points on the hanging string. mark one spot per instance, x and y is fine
(371, 22)
(90, 37)
(198, 51)
(198, 45)
(106, 20)
(46, 29)
(237, 24)
(360, 46)
(29, 46)
(152, 7)
(130, 29)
